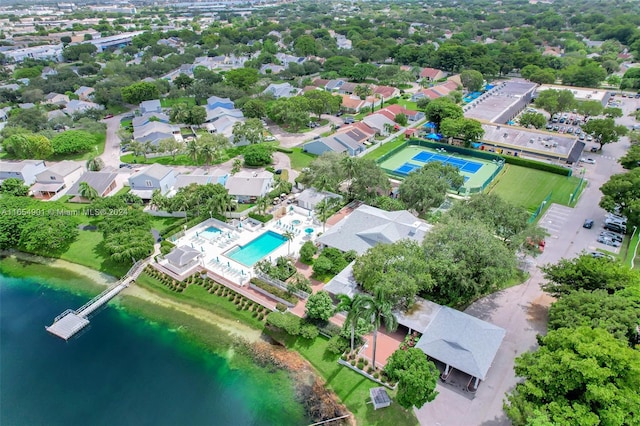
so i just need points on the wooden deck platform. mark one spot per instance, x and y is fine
(68, 325)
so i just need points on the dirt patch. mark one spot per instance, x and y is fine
(538, 310)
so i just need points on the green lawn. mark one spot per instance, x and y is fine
(299, 159)
(387, 147)
(529, 187)
(88, 250)
(168, 103)
(351, 387)
(408, 104)
(163, 223)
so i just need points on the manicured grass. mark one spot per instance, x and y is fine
(408, 104)
(181, 159)
(88, 250)
(163, 223)
(168, 103)
(299, 159)
(383, 149)
(351, 387)
(628, 251)
(197, 296)
(529, 187)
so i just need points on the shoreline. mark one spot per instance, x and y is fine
(307, 383)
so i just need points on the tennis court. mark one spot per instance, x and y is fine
(464, 165)
(477, 172)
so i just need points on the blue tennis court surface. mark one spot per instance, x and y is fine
(463, 165)
(407, 168)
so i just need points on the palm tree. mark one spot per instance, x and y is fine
(193, 150)
(324, 210)
(288, 235)
(379, 309)
(95, 164)
(87, 191)
(207, 152)
(349, 305)
(261, 204)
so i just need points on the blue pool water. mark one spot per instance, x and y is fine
(256, 249)
(210, 232)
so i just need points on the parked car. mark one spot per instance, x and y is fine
(588, 160)
(612, 235)
(339, 113)
(349, 120)
(125, 165)
(269, 139)
(608, 241)
(589, 138)
(588, 223)
(618, 227)
(108, 116)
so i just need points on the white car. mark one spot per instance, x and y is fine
(588, 160)
(269, 139)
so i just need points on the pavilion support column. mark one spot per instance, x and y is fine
(476, 383)
(446, 369)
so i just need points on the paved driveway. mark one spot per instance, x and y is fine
(522, 310)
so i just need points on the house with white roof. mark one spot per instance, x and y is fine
(85, 93)
(155, 131)
(282, 90)
(56, 177)
(25, 170)
(75, 106)
(199, 177)
(154, 177)
(181, 260)
(152, 106)
(246, 186)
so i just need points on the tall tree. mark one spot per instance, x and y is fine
(319, 306)
(426, 188)
(242, 78)
(416, 375)
(534, 119)
(350, 305)
(138, 92)
(554, 101)
(587, 273)
(380, 310)
(622, 191)
(467, 129)
(604, 130)
(251, 130)
(579, 376)
(325, 209)
(441, 108)
(590, 108)
(323, 102)
(87, 191)
(397, 269)
(472, 80)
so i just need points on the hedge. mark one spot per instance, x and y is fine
(538, 165)
(284, 149)
(274, 290)
(261, 218)
(287, 321)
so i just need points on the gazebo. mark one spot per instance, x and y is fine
(379, 398)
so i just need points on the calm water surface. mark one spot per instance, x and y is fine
(121, 371)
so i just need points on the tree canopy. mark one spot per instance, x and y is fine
(587, 273)
(578, 376)
(398, 269)
(439, 109)
(604, 130)
(73, 141)
(138, 92)
(319, 306)
(623, 191)
(554, 101)
(427, 187)
(416, 376)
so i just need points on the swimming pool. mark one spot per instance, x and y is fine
(256, 249)
(210, 232)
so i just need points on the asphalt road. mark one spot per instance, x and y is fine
(522, 310)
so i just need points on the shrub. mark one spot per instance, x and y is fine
(284, 149)
(308, 331)
(532, 164)
(307, 251)
(322, 266)
(353, 363)
(360, 365)
(376, 375)
(281, 307)
(337, 345)
(329, 329)
(274, 290)
(285, 321)
(261, 218)
(319, 306)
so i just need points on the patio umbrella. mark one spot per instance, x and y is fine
(240, 225)
(433, 136)
(197, 234)
(191, 245)
(229, 264)
(217, 259)
(431, 125)
(202, 249)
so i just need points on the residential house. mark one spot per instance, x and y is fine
(272, 69)
(26, 105)
(78, 107)
(155, 131)
(56, 99)
(311, 197)
(247, 186)
(199, 177)
(13, 87)
(25, 170)
(154, 177)
(369, 226)
(343, 42)
(286, 59)
(410, 114)
(353, 104)
(152, 106)
(320, 82)
(224, 125)
(432, 74)
(56, 177)
(56, 113)
(217, 102)
(47, 72)
(4, 113)
(348, 88)
(85, 93)
(386, 92)
(103, 182)
(282, 90)
(149, 118)
(339, 142)
(380, 122)
(357, 135)
(334, 85)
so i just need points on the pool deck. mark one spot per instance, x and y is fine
(240, 233)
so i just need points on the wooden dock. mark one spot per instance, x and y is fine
(70, 322)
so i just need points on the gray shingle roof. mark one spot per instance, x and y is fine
(181, 256)
(157, 171)
(343, 283)
(99, 181)
(63, 168)
(368, 226)
(462, 341)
